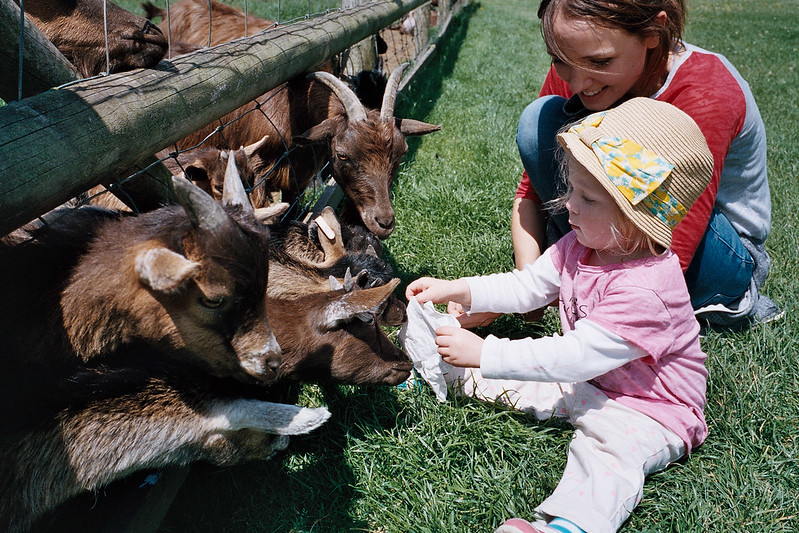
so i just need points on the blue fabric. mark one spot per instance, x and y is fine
(564, 526)
(536, 138)
(721, 270)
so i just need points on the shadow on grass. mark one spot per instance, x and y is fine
(309, 487)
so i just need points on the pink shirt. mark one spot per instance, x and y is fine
(645, 302)
(628, 329)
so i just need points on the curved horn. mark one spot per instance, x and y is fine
(204, 212)
(251, 149)
(352, 106)
(390, 96)
(233, 192)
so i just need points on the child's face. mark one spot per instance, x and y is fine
(592, 211)
(614, 61)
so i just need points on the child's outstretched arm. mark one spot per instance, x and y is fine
(440, 291)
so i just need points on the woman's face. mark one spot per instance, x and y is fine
(613, 61)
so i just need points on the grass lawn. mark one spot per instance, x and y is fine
(395, 460)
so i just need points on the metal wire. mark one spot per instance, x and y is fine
(21, 47)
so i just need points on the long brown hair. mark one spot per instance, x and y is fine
(636, 17)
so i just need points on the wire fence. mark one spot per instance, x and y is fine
(407, 40)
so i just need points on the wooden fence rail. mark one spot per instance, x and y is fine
(62, 142)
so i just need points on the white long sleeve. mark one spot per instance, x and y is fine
(586, 352)
(518, 291)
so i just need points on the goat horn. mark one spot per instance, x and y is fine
(233, 192)
(390, 96)
(355, 110)
(204, 212)
(348, 280)
(251, 149)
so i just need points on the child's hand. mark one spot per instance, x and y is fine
(472, 320)
(439, 291)
(459, 347)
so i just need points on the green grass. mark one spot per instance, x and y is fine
(399, 461)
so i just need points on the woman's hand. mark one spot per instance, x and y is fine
(459, 347)
(439, 291)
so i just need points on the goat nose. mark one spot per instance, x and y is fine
(274, 365)
(151, 29)
(385, 223)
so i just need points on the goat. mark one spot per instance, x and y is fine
(154, 414)
(187, 22)
(184, 282)
(76, 28)
(133, 418)
(319, 119)
(303, 125)
(335, 336)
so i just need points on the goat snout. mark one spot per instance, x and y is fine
(262, 362)
(381, 225)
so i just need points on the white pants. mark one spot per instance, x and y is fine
(614, 447)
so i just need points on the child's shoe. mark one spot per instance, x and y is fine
(517, 525)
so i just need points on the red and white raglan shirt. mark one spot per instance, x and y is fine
(709, 89)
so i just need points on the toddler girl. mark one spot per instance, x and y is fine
(628, 371)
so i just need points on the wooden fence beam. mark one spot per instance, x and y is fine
(44, 67)
(62, 142)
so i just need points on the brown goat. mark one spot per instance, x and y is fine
(305, 258)
(188, 22)
(76, 28)
(319, 119)
(158, 413)
(335, 336)
(134, 418)
(182, 282)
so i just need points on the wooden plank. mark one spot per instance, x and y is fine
(62, 142)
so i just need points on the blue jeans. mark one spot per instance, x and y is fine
(721, 269)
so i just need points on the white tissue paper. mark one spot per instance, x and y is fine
(418, 338)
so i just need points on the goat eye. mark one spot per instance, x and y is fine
(211, 303)
(342, 156)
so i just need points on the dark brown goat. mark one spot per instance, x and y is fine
(182, 282)
(319, 119)
(77, 29)
(335, 336)
(131, 419)
(305, 258)
(153, 414)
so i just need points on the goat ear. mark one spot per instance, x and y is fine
(329, 232)
(409, 126)
(356, 304)
(321, 132)
(196, 172)
(163, 270)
